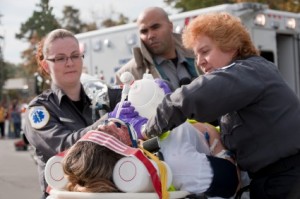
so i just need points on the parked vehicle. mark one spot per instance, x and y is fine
(275, 33)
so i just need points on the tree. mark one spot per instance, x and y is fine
(89, 27)
(9, 70)
(2, 64)
(39, 24)
(285, 5)
(33, 30)
(186, 5)
(110, 22)
(43, 21)
(71, 21)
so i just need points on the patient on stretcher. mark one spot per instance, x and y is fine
(197, 161)
(89, 166)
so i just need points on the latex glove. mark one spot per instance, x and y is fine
(127, 111)
(137, 122)
(163, 85)
(129, 115)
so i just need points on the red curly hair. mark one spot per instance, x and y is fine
(225, 29)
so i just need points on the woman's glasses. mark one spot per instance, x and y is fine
(62, 60)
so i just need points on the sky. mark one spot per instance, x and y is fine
(14, 13)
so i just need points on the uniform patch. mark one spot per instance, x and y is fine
(38, 116)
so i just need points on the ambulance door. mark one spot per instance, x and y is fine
(265, 42)
(288, 59)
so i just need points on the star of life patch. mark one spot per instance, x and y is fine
(38, 116)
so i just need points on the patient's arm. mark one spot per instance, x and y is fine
(212, 135)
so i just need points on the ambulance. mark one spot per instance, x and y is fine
(275, 33)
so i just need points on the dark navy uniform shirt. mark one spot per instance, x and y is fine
(260, 114)
(53, 123)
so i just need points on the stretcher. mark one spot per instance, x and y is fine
(59, 194)
(54, 173)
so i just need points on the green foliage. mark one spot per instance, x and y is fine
(33, 30)
(8, 70)
(110, 22)
(43, 21)
(285, 5)
(39, 24)
(11, 70)
(186, 5)
(71, 21)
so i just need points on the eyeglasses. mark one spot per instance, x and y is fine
(64, 59)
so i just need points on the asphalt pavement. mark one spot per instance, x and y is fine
(18, 173)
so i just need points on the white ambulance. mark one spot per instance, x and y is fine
(275, 34)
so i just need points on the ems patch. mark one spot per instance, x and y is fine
(38, 117)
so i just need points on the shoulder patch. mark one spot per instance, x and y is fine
(38, 116)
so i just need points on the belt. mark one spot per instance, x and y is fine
(280, 165)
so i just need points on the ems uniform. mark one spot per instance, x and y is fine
(259, 124)
(54, 123)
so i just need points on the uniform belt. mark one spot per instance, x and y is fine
(280, 165)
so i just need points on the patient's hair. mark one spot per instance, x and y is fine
(89, 167)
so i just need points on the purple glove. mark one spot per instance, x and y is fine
(127, 111)
(163, 85)
(137, 123)
(129, 115)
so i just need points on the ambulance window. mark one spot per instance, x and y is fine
(268, 55)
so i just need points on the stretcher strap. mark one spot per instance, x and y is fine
(162, 172)
(117, 146)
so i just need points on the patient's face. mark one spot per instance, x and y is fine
(119, 132)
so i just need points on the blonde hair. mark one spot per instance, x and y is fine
(43, 46)
(226, 30)
(89, 167)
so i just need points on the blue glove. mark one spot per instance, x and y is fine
(163, 85)
(127, 111)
